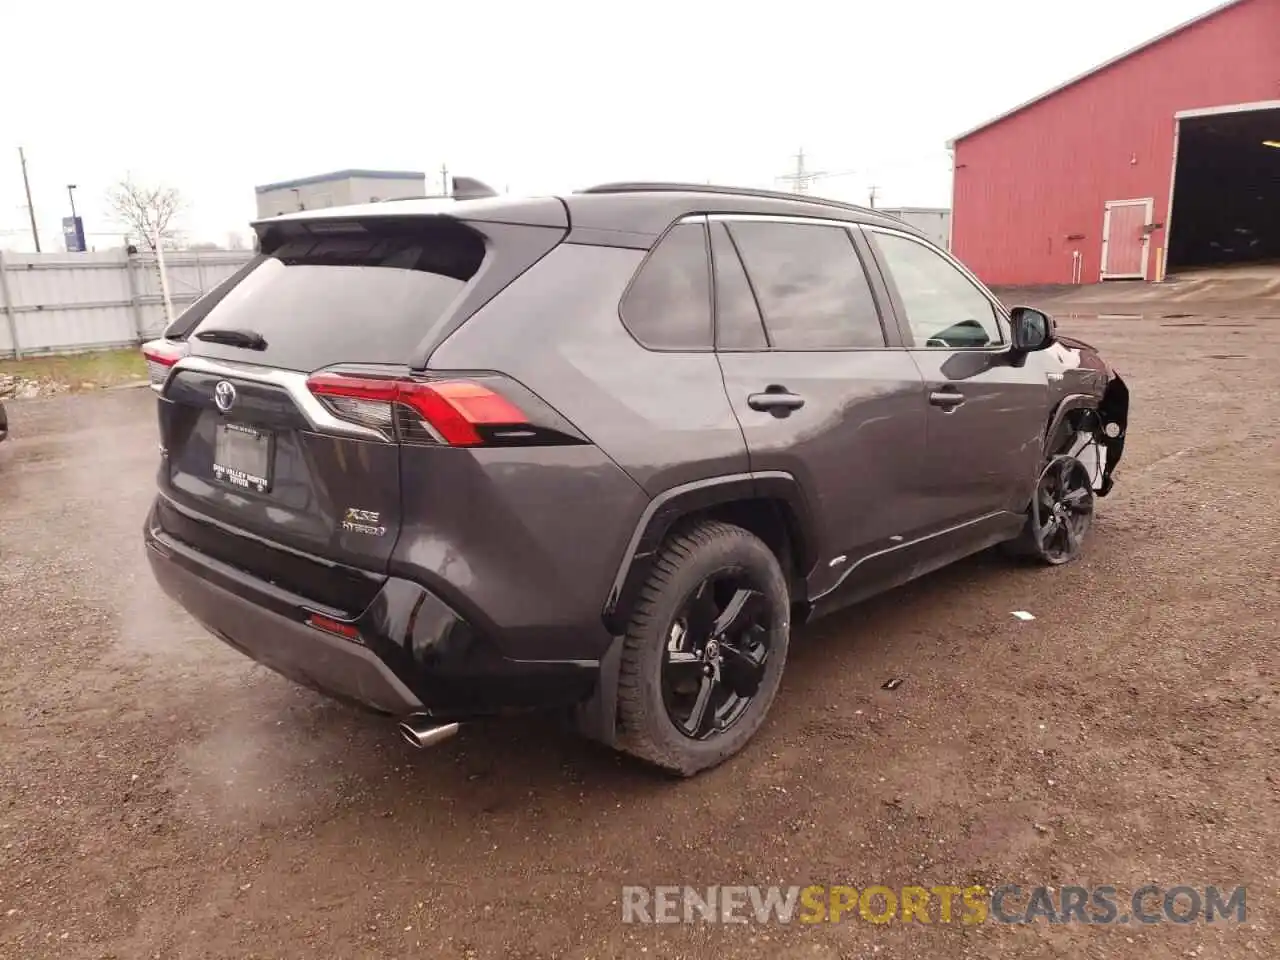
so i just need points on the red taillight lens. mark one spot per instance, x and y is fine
(347, 631)
(451, 410)
(161, 355)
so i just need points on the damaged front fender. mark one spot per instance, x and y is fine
(1113, 414)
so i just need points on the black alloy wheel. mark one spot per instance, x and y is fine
(704, 650)
(1062, 510)
(715, 656)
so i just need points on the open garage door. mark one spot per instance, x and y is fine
(1226, 189)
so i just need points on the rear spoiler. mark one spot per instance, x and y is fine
(408, 214)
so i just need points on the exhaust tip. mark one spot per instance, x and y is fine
(421, 731)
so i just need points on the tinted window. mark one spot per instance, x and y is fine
(738, 323)
(186, 321)
(668, 305)
(319, 300)
(810, 285)
(944, 308)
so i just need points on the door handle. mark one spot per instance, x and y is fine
(947, 399)
(776, 399)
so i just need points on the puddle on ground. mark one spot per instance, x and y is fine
(1216, 326)
(1226, 356)
(1061, 315)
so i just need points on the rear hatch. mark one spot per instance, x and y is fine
(282, 417)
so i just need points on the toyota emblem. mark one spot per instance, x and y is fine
(224, 395)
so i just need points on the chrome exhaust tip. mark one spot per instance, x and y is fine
(421, 731)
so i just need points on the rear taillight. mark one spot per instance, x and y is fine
(161, 355)
(461, 412)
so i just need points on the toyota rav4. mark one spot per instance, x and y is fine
(600, 453)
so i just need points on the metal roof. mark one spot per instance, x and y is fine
(1098, 69)
(343, 175)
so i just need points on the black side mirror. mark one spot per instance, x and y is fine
(1032, 329)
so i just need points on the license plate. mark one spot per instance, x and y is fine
(242, 456)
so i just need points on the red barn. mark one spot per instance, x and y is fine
(1163, 159)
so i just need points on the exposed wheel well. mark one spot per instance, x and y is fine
(773, 519)
(1075, 421)
(769, 518)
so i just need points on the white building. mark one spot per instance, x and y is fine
(338, 189)
(933, 222)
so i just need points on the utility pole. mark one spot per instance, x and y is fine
(799, 181)
(872, 198)
(802, 177)
(26, 184)
(444, 179)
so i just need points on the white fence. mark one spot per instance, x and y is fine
(71, 302)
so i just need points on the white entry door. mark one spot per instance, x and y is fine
(1125, 241)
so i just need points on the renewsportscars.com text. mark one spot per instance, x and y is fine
(968, 905)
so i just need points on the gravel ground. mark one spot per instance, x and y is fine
(162, 797)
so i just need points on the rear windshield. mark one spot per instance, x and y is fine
(368, 297)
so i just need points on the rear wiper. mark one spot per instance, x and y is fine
(249, 339)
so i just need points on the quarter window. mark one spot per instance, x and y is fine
(944, 308)
(810, 285)
(668, 306)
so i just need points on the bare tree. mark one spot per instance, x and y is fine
(148, 211)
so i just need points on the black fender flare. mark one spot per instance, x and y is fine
(596, 718)
(670, 506)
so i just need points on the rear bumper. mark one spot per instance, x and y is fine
(415, 654)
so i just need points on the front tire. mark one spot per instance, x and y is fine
(1060, 514)
(704, 649)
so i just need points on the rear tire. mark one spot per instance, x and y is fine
(704, 649)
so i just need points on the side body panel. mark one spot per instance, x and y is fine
(519, 541)
(986, 406)
(855, 445)
(539, 534)
(661, 416)
(981, 452)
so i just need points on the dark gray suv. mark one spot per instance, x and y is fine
(600, 453)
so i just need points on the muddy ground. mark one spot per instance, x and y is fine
(162, 797)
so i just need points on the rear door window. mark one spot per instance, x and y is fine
(738, 322)
(810, 284)
(668, 305)
(370, 297)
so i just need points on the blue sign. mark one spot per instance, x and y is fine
(73, 233)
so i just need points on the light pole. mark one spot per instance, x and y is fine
(71, 195)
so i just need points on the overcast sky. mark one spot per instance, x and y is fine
(214, 98)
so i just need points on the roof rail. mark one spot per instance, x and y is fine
(642, 187)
